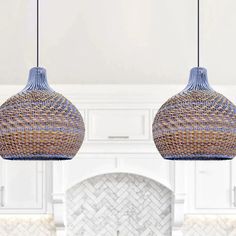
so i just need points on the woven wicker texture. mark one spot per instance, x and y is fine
(196, 124)
(40, 125)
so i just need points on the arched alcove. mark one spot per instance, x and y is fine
(119, 204)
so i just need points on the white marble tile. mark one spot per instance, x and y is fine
(130, 204)
(210, 226)
(27, 226)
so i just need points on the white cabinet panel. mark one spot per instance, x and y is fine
(154, 111)
(85, 167)
(234, 183)
(213, 185)
(118, 124)
(148, 165)
(22, 185)
(153, 166)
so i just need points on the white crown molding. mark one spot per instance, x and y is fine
(118, 92)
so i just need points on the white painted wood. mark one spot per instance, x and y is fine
(179, 197)
(149, 164)
(22, 187)
(210, 187)
(118, 125)
(58, 198)
(233, 185)
(213, 185)
(139, 94)
(86, 166)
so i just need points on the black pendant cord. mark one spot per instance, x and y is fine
(198, 33)
(37, 53)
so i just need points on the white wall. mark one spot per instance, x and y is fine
(117, 41)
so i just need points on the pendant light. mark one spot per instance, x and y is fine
(197, 123)
(39, 123)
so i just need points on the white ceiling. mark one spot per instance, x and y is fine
(118, 41)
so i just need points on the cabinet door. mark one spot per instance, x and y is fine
(118, 125)
(213, 185)
(22, 185)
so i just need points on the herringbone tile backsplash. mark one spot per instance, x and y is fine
(130, 204)
(119, 204)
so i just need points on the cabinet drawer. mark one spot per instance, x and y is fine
(118, 125)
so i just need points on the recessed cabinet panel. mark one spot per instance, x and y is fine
(118, 125)
(213, 185)
(22, 185)
(234, 183)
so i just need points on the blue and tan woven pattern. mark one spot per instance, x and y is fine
(196, 124)
(39, 124)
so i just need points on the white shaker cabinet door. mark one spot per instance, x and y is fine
(118, 125)
(22, 186)
(213, 185)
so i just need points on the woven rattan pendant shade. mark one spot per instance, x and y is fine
(39, 123)
(196, 124)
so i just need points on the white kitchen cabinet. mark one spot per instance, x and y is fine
(233, 192)
(212, 187)
(22, 186)
(118, 125)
